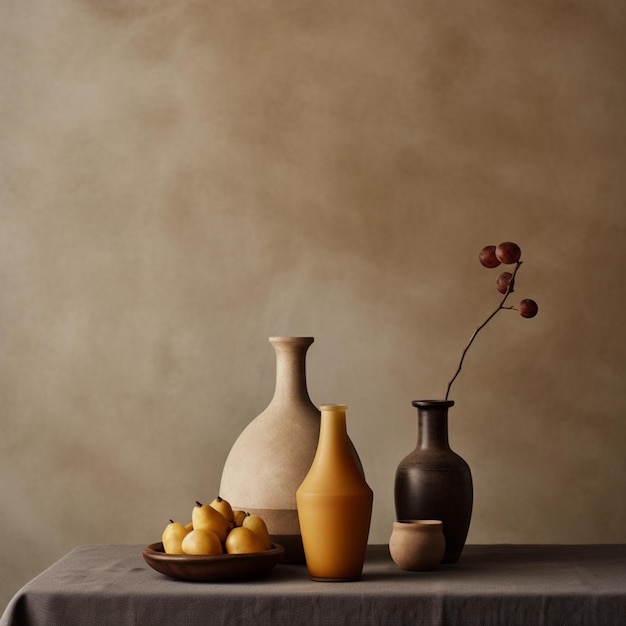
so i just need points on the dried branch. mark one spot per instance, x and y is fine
(501, 306)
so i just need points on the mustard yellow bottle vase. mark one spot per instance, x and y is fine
(334, 504)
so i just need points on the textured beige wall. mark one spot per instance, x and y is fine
(182, 179)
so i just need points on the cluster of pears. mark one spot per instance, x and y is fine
(216, 529)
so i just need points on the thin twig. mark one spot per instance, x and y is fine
(501, 306)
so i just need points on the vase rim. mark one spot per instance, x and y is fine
(285, 339)
(430, 523)
(333, 407)
(425, 404)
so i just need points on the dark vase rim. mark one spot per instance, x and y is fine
(429, 404)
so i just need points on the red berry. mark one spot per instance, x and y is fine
(503, 281)
(508, 252)
(488, 258)
(528, 308)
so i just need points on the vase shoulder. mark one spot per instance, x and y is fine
(285, 408)
(434, 459)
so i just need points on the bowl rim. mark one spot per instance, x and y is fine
(156, 550)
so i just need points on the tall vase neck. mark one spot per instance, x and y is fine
(334, 444)
(291, 368)
(333, 429)
(432, 423)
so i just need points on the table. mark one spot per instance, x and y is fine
(491, 584)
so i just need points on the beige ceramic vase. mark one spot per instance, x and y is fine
(334, 504)
(417, 545)
(272, 455)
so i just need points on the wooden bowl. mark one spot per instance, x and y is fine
(217, 568)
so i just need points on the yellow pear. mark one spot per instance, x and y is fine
(172, 537)
(189, 525)
(239, 517)
(242, 540)
(199, 541)
(258, 526)
(223, 506)
(205, 517)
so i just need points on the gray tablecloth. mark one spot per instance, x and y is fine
(492, 584)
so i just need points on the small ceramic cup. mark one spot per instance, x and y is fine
(417, 545)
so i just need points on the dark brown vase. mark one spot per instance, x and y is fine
(433, 482)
